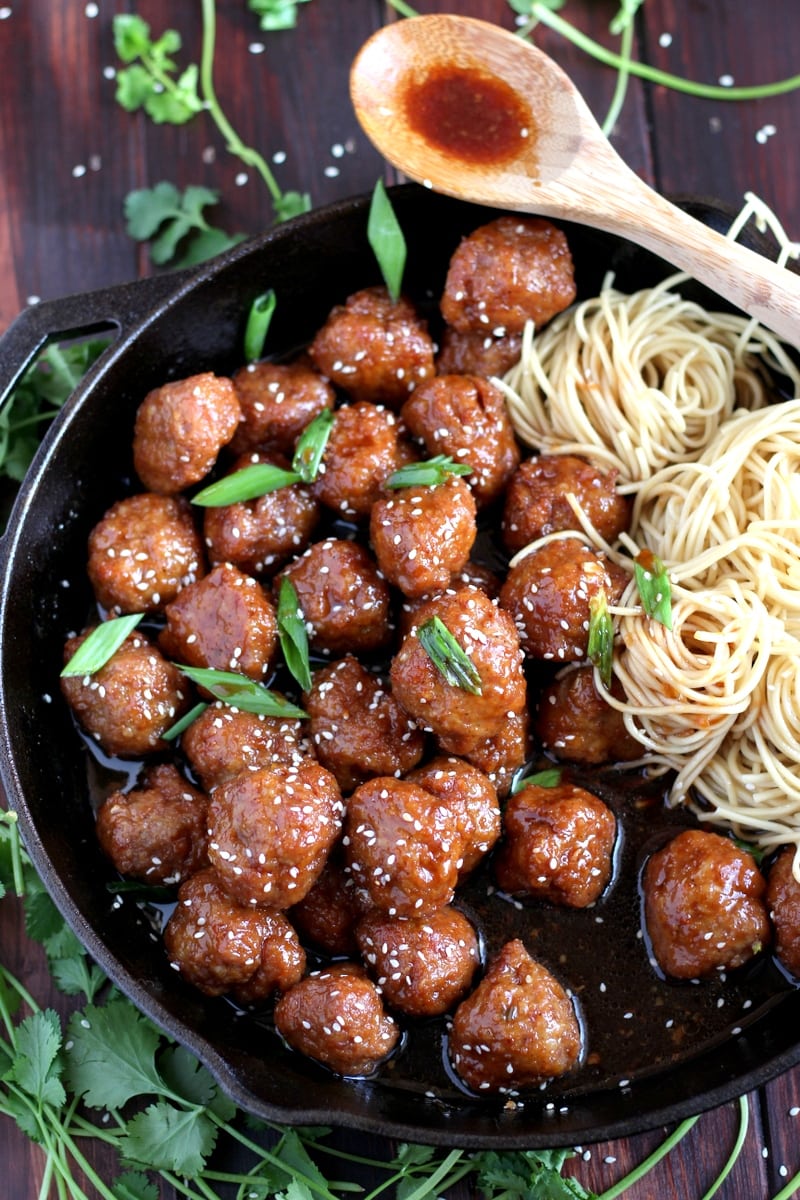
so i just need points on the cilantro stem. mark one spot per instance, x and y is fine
(10, 819)
(744, 1121)
(404, 9)
(789, 1189)
(183, 1189)
(623, 77)
(234, 143)
(265, 1155)
(707, 91)
(18, 987)
(652, 1159)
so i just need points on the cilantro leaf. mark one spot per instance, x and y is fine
(186, 1076)
(76, 976)
(37, 1067)
(291, 204)
(135, 1186)
(168, 1138)
(173, 221)
(528, 1175)
(149, 81)
(276, 14)
(112, 1056)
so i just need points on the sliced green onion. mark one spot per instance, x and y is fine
(292, 634)
(186, 720)
(311, 446)
(655, 592)
(430, 473)
(601, 636)
(100, 645)
(386, 239)
(240, 692)
(258, 323)
(247, 484)
(551, 777)
(450, 660)
(157, 893)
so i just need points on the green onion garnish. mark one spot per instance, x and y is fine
(450, 660)
(311, 446)
(247, 484)
(386, 239)
(551, 777)
(258, 322)
(430, 473)
(240, 692)
(654, 587)
(292, 634)
(100, 645)
(601, 636)
(186, 720)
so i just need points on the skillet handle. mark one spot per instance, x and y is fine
(116, 309)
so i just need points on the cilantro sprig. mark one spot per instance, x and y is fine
(174, 224)
(275, 14)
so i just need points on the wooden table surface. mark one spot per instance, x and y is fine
(69, 155)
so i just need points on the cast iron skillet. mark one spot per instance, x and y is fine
(172, 327)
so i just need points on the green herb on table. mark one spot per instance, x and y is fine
(256, 329)
(448, 657)
(600, 649)
(150, 81)
(386, 239)
(174, 224)
(431, 473)
(103, 642)
(240, 692)
(275, 14)
(653, 583)
(292, 633)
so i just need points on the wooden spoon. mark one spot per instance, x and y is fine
(470, 110)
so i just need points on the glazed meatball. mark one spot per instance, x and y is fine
(471, 798)
(327, 915)
(548, 593)
(260, 535)
(403, 847)
(423, 965)
(278, 400)
(536, 500)
(465, 417)
(143, 551)
(557, 845)
(336, 1017)
(357, 727)
(704, 904)
(478, 353)
(577, 724)
(783, 901)
(180, 429)
(374, 348)
(459, 718)
(157, 832)
(270, 832)
(501, 756)
(224, 621)
(512, 270)
(422, 536)
(343, 597)
(365, 447)
(517, 1029)
(130, 702)
(221, 947)
(224, 741)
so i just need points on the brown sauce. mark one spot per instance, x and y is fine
(468, 113)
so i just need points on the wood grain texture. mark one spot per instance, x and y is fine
(62, 230)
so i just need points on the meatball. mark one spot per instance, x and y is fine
(423, 965)
(157, 832)
(512, 270)
(465, 417)
(224, 741)
(357, 727)
(221, 947)
(557, 845)
(130, 702)
(783, 900)
(374, 348)
(343, 596)
(704, 905)
(459, 718)
(536, 500)
(424, 535)
(180, 429)
(365, 447)
(270, 832)
(327, 915)
(259, 535)
(478, 353)
(223, 621)
(548, 593)
(336, 1017)
(278, 400)
(143, 551)
(577, 724)
(472, 799)
(403, 847)
(501, 756)
(517, 1029)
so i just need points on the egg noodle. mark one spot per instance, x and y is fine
(678, 402)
